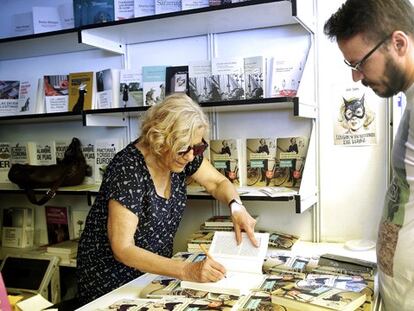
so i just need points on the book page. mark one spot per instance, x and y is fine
(224, 243)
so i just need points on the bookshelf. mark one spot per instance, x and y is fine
(120, 41)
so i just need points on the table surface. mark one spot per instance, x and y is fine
(132, 289)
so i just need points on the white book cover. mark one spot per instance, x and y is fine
(27, 96)
(286, 71)
(225, 155)
(9, 97)
(193, 4)
(243, 264)
(42, 153)
(22, 24)
(107, 87)
(144, 7)
(255, 68)
(167, 6)
(19, 153)
(5, 161)
(46, 19)
(105, 150)
(124, 9)
(228, 78)
(153, 80)
(78, 222)
(56, 93)
(260, 161)
(88, 150)
(130, 88)
(60, 149)
(67, 19)
(199, 76)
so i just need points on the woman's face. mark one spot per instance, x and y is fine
(175, 162)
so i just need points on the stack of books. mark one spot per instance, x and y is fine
(66, 250)
(199, 237)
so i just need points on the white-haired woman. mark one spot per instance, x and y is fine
(132, 223)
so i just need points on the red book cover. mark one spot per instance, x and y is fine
(57, 222)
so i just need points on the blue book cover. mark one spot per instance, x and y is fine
(93, 11)
(153, 78)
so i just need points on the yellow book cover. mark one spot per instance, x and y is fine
(81, 91)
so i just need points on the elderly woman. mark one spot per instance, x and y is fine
(132, 223)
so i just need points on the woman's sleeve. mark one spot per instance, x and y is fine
(193, 166)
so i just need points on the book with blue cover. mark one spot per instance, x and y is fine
(88, 12)
(153, 79)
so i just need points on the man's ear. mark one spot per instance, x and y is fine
(399, 41)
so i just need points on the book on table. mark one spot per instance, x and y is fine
(313, 294)
(243, 264)
(69, 247)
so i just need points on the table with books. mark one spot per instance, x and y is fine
(307, 277)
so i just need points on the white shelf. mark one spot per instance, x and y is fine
(113, 36)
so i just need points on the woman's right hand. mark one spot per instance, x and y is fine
(207, 270)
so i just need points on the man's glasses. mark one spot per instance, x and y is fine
(358, 65)
(197, 149)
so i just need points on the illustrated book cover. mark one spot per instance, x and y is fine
(200, 81)
(130, 88)
(225, 155)
(309, 295)
(105, 150)
(153, 79)
(176, 79)
(5, 161)
(88, 12)
(81, 91)
(243, 264)
(260, 158)
(255, 71)
(290, 157)
(56, 93)
(227, 79)
(57, 223)
(17, 227)
(107, 89)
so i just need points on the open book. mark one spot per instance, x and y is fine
(243, 264)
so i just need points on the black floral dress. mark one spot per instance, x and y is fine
(128, 181)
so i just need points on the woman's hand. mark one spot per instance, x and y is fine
(242, 221)
(207, 270)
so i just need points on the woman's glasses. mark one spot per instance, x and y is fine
(197, 149)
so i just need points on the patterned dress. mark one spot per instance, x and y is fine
(128, 181)
(395, 245)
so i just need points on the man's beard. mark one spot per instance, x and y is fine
(393, 80)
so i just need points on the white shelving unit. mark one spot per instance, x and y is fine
(125, 39)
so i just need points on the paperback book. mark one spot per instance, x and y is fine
(255, 69)
(243, 263)
(66, 249)
(57, 224)
(130, 88)
(225, 155)
(260, 156)
(5, 161)
(27, 96)
(9, 97)
(200, 81)
(153, 79)
(228, 79)
(56, 93)
(307, 295)
(42, 153)
(107, 87)
(46, 19)
(144, 7)
(282, 240)
(193, 4)
(19, 153)
(197, 238)
(88, 12)
(89, 153)
(105, 150)
(22, 24)
(60, 149)
(124, 9)
(176, 79)
(17, 227)
(290, 156)
(167, 6)
(81, 91)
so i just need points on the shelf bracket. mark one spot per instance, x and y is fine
(304, 110)
(88, 38)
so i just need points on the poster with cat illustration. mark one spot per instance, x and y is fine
(354, 117)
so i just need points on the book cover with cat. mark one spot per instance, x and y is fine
(81, 91)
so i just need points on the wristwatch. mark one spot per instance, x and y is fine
(235, 205)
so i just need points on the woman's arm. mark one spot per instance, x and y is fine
(122, 224)
(223, 190)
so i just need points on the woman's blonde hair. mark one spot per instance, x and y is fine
(172, 124)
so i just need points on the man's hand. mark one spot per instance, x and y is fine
(242, 221)
(207, 270)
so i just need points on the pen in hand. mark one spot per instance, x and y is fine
(205, 251)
